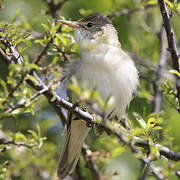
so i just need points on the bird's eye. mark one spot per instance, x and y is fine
(89, 24)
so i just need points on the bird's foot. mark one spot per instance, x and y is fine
(75, 105)
(89, 124)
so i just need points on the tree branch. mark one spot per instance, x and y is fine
(53, 7)
(87, 154)
(7, 60)
(12, 142)
(171, 42)
(164, 151)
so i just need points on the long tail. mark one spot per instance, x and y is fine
(77, 132)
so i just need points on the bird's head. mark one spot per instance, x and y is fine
(94, 28)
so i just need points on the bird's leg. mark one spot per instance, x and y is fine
(70, 114)
(123, 121)
(76, 117)
(110, 114)
(88, 124)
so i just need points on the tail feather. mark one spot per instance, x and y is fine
(77, 132)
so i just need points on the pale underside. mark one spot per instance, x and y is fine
(113, 76)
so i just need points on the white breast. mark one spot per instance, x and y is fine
(112, 71)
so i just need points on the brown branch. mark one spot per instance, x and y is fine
(78, 174)
(164, 151)
(7, 60)
(144, 170)
(43, 52)
(17, 85)
(53, 7)
(45, 49)
(87, 154)
(12, 142)
(15, 56)
(171, 42)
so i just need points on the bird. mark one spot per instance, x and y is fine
(101, 63)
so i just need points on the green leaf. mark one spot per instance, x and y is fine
(35, 81)
(75, 87)
(33, 133)
(53, 29)
(152, 2)
(151, 123)
(53, 98)
(15, 68)
(5, 89)
(33, 66)
(26, 24)
(46, 27)
(55, 60)
(109, 102)
(157, 128)
(117, 151)
(140, 120)
(17, 14)
(154, 151)
(20, 137)
(169, 4)
(175, 72)
(40, 41)
(178, 7)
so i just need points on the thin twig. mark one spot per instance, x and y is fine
(53, 7)
(5, 58)
(144, 170)
(87, 154)
(15, 56)
(45, 49)
(12, 142)
(17, 85)
(79, 175)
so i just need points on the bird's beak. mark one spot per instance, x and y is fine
(72, 24)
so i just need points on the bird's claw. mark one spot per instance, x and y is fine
(84, 108)
(90, 124)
